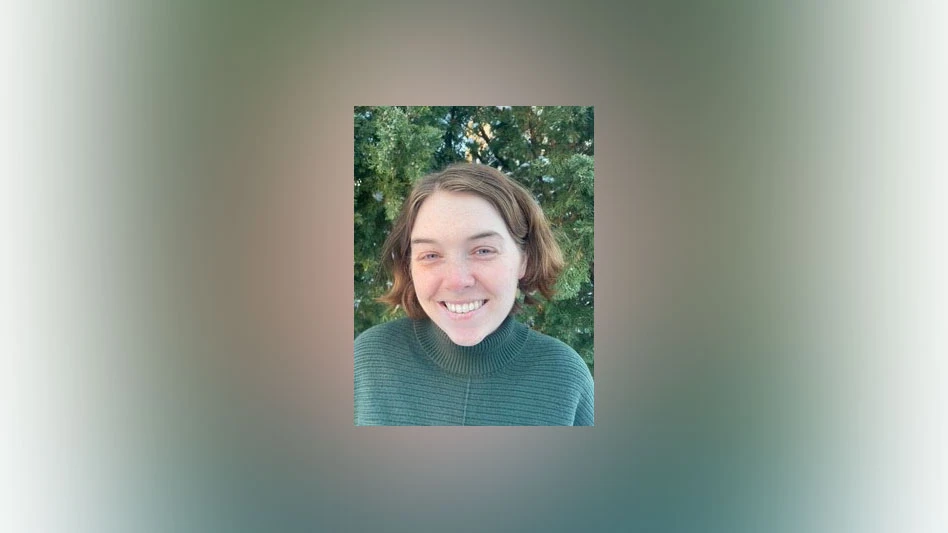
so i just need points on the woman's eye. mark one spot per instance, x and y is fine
(483, 251)
(429, 256)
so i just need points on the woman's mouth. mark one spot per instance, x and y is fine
(463, 308)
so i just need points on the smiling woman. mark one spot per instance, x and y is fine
(466, 241)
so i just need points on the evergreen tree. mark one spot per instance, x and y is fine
(549, 150)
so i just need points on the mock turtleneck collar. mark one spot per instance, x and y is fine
(492, 353)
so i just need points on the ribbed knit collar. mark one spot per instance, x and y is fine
(492, 353)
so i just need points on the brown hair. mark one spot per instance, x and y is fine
(521, 213)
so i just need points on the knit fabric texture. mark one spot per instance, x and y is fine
(409, 373)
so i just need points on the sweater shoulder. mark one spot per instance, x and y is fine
(550, 351)
(555, 362)
(384, 339)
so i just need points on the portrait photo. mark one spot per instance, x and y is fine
(474, 266)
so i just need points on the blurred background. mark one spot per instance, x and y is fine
(547, 149)
(178, 277)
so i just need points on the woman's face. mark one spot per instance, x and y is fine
(465, 265)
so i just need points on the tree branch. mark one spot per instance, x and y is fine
(484, 135)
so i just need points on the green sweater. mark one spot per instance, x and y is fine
(408, 372)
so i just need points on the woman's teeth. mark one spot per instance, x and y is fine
(464, 308)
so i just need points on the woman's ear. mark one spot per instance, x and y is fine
(523, 265)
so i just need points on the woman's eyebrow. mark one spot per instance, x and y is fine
(482, 235)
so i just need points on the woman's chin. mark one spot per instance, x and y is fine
(465, 338)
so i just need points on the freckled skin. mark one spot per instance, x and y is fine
(462, 252)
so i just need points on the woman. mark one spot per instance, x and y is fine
(467, 239)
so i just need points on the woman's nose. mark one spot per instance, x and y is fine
(458, 275)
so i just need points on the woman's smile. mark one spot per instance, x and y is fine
(463, 310)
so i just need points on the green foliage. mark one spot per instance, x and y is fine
(547, 149)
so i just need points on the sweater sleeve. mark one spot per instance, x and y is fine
(366, 345)
(585, 411)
